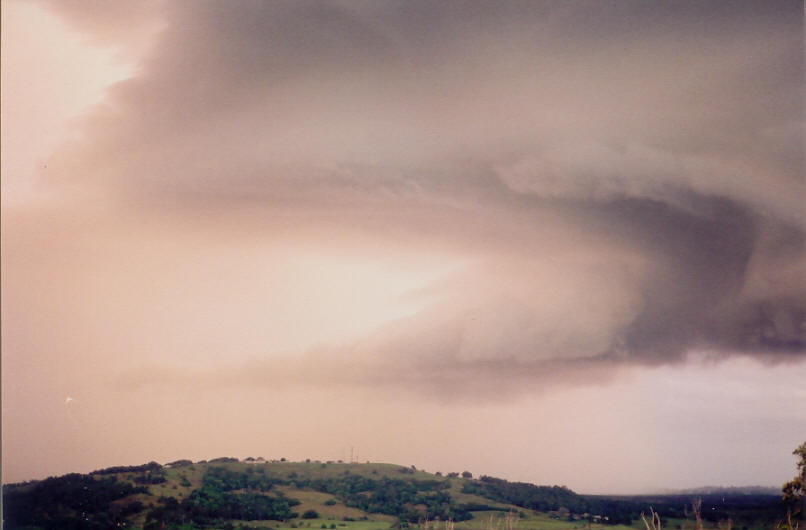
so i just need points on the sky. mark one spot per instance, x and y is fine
(561, 242)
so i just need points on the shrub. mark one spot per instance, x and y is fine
(310, 514)
(180, 463)
(151, 466)
(224, 460)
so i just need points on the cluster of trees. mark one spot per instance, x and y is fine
(217, 501)
(180, 463)
(454, 474)
(223, 479)
(150, 473)
(541, 498)
(406, 499)
(209, 504)
(150, 467)
(72, 502)
(552, 498)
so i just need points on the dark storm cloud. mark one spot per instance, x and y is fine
(626, 176)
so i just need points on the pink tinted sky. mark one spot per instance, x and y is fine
(477, 238)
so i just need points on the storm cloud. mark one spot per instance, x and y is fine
(377, 216)
(624, 180)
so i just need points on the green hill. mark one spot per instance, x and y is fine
(228, 493)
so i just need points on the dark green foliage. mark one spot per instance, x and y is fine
(330, 502)
(224, 479)
(169, 514)
(541, 498)
(180, 463)
(224, 460)
(129, 508)
(72, 502)
(547, 498)
(214, 502)
(207, 504)
(795, 490)
(467, 474)
(391, 496)
(310, 514)
(151, 466)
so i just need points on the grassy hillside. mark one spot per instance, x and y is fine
(227, 493)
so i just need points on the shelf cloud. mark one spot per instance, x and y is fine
(442, 202)
(626, 179)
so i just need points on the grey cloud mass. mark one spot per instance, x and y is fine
(622, 181)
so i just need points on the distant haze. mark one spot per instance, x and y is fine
(558, 242)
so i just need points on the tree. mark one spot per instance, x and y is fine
(795, 490)
(467, 474)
